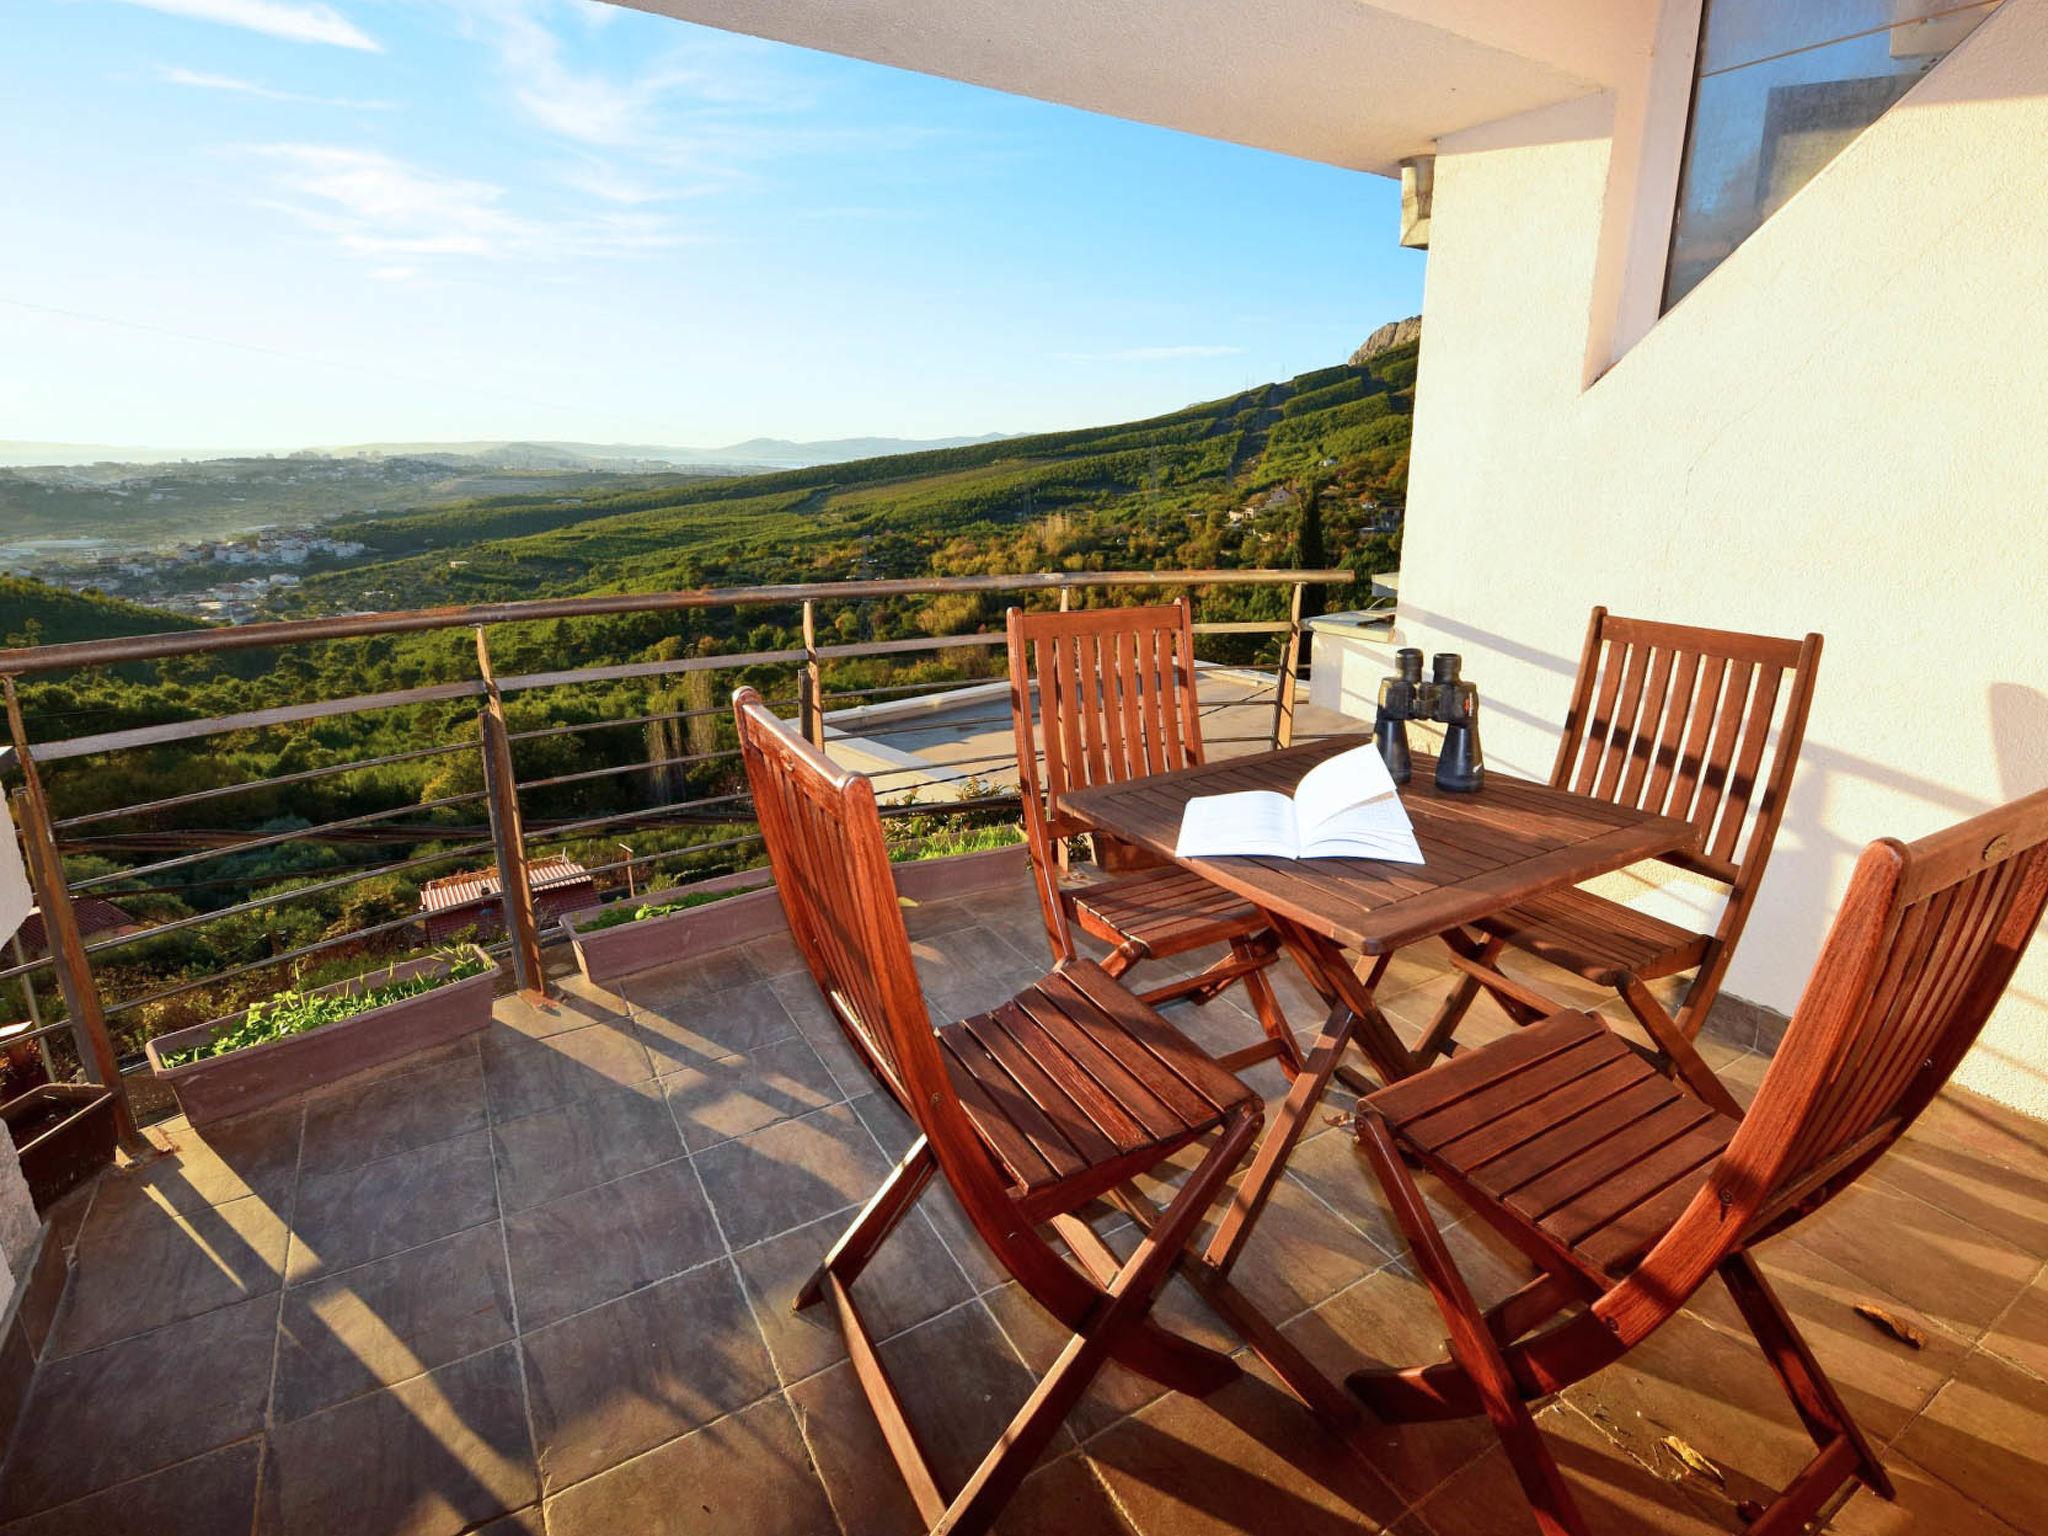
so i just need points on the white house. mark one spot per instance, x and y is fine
(1733, 317)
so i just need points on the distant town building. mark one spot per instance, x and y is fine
(473, 899)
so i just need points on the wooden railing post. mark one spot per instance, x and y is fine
(508, 834)
(811, 686)
(60, 926)
(1290, 673)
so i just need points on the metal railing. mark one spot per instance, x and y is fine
(508, 833)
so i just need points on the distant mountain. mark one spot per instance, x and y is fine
(755, 453)
(1395, 333)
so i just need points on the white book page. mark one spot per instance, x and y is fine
(1255, 823)
(1348, 808)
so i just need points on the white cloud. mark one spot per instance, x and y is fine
(235, 86)
(382, 208)
(1149, 354)
(298, 21)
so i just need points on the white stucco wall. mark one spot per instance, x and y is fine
(1843, 429)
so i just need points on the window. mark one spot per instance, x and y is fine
(1779, 88)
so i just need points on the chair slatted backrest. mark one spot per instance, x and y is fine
(1676, 720)
(824, 840)
(1927, 940)
(1862, 1060)
(1098, 697)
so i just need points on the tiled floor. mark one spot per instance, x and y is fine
(541, 1282)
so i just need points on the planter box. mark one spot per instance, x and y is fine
(218, 1086)
(963, 874)
(64, 1134)
(612, 953)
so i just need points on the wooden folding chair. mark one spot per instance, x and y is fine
(1629, 1193)
(1029, 1112)
(1110, 693)
(1674, 720)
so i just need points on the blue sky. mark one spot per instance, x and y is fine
(274, 223)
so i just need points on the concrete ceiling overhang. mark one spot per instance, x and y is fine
(1346, 82)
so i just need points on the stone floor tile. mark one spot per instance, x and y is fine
(910, 1279)
(249, 1155)
(1247, 1458)
(1884, 1382)
(391, 1319)
(210, 1495)
(141, 1264)
(676, 991)
(624, 1377)
(2021, 1334)
(589, 1141)
(343, 1219)
(961, 1384)
(429, 1457)
(1300, 1253)
(1922, 1254)
(1064, 1498)
(1336, 1170)
(393, 1114)
(1039, 1337)
(687, 1031)
(771, 1180)
(1389, 1320)
(1715, 1392)
(774, 955)
(2010, 1204)
(968, 969)
(1984, 1432)
(930, 919)
(746, 1473)
(600, 1243)
(526, 1076)
(1617, 1495)
(1925, 1506)
(718, 1100)
(574, 1003)
(521, 1522)
(145, 1403)
(1959, 1118)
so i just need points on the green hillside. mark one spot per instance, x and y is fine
(34, 613)
(1143, 493)
(1290, 474)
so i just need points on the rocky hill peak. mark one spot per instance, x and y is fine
(1395, 333)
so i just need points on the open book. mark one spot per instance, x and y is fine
(1344, 808)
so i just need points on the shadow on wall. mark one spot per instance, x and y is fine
(1801, 885)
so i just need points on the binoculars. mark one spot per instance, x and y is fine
(1445, 698)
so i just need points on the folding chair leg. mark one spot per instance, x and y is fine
(1681, 1056)
(1126, 1302)
(1436, 1040)
(877, 1219)
(1273, 1021)
(1471, 1341)
(1819, 1406)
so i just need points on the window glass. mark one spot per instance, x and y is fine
(1779, 90)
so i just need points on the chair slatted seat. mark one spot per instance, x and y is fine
(1680, 721)
(1601, 940)
(1629, 1193)
(1099, 697)
(1029, 1111)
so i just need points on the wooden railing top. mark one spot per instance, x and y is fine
(242, 637)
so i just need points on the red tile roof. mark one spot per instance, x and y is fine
(94, 916)
(471, 887)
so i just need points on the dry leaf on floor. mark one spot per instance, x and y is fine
(1692, 1460)
(1891, 1323)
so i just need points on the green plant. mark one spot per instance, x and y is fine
(943, 845)
(292, 1012)
(619, 916)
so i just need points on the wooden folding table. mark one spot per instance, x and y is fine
(1510, 841)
